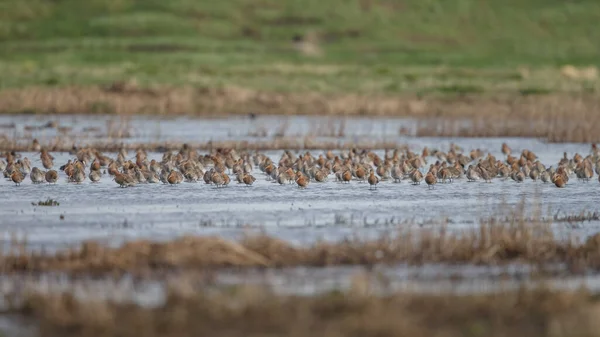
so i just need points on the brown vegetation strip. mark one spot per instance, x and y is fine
(556, 128)
(248, 312)
(124, 98)
(490, 244)
(556, 116)
(284, 143)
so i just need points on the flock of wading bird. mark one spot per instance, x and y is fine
(352, 165)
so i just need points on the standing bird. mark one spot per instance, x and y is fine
(484, 173)
(217, 179)
(124, 180)
(360, 173)
(505, 149)
(94, 176)
(36, 175)
(301, 180)
(397, 174)
(559, 182)
(226, 178)
(347, 176)
(373, 180)
(472, 174)
(545, 176)
(430, 179)
(248, 179)
(175, 177)
(79, 174)
(17, 177)
(51, 177)
(416, 176)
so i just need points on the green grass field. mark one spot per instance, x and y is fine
(362, 46)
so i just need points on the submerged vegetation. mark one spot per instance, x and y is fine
(47, 202)
(244, 311)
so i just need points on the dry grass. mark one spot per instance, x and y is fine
(555, 128)
(490, 244)
(125, 98)
(66, 143)
(558, 117)
(250, 312)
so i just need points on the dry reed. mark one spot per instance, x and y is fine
(124, 99)
(251, 312)
(557, 117)
(489, 244)
(65, 144)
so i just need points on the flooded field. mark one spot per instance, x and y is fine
(323, 211)
(328, 212)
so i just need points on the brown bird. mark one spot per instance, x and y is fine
(124, 180)
(321, 176)
(505, 149)
(559, 182)
(360, 173)
(175, 177)
(430, 179)
(47, 160)
(226, 178)
(472, 174)
(78, 175)
(416, 176)
(248, 179)
(484, 174)
(397, 174)
(301, 180)
(17, 177)
(217, 179)
(445, 175)
(373, 180)
(51, 177)
(95, 166)
(347, 176)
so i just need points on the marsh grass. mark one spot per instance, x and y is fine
(65, 144)
(247, 311)
(553, 117)
(491, 243)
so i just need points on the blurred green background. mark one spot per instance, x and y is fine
(389, 46)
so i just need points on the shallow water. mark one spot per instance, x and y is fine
(430, 279)
(323, 211)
